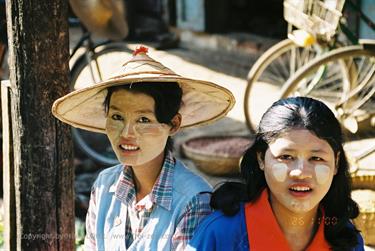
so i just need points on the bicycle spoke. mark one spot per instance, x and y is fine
(99, 68)
(345, 79)
(293, 60)
(270, 73)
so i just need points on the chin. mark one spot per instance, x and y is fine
(131, 162)
(304, 207)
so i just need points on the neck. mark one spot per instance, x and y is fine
(145, 175)
(298, 228)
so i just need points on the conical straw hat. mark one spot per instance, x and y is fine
(202, 101)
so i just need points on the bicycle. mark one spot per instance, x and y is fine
(281, 63)
(91, 66)
(341, 73)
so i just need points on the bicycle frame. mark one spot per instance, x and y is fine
(351, 36)
(354, 39)
(86, 42)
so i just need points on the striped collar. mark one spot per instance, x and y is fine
(161, 193)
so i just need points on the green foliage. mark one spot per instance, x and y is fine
(1, 235)
(80, 234)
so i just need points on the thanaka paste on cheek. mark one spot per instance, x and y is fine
(322, 173)
(149, 146)
(279, 171)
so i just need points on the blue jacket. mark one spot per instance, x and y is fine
(110, 212)
(228, 233)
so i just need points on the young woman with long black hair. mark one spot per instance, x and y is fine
(296, 193)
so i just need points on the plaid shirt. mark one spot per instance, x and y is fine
(161, 195)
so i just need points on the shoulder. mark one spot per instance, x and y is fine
(187, 188)
(109, 175)
(117, 169)
(215, 222)
(187, 182)
(361, 244)
(219, 230)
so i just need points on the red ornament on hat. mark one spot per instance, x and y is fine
(140, 49)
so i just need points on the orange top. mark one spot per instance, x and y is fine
(264, 232)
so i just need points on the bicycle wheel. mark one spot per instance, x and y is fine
(345, 80)
(106, 60)
(91, 68)
(269, 73)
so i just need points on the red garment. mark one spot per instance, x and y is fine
(264, 233)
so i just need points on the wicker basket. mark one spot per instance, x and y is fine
(363, 182)
(361, 178)
(320, 18)
(216, 155)
(366, 219)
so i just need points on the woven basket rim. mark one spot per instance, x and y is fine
(193, 151)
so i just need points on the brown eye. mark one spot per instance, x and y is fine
(315, 158)
(144, 120)
(117, 117)
(285, 157)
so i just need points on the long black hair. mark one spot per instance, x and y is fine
(167, 97)
(282, 116)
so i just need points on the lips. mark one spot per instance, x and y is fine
(128, 147)
(300, 189)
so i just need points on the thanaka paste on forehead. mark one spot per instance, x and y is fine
(279, 171)
(150, 146)
(322, 173)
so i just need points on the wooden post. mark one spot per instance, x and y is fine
(42, 146)
(8, 179)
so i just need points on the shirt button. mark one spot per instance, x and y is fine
(117, 221)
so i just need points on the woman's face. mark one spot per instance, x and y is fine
(299, 168)
(132, 128)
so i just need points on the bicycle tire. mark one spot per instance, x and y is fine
(95, 145)
(81, 64)
(285, 55)
(357, 98)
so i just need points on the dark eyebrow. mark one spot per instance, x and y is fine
(319, 151)
(289, 149)
(138, 111)
(114, 108)
(145, 111)
(313, 151)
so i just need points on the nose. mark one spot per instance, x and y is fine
(300, 170)
(128, 130)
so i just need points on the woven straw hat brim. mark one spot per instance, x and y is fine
(203, 102)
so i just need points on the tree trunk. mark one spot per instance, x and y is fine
(42, 146)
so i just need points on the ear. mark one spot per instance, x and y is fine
(176, 123)
(336, 163)
(260, 161)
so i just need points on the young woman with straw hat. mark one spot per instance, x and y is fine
(150, 201)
